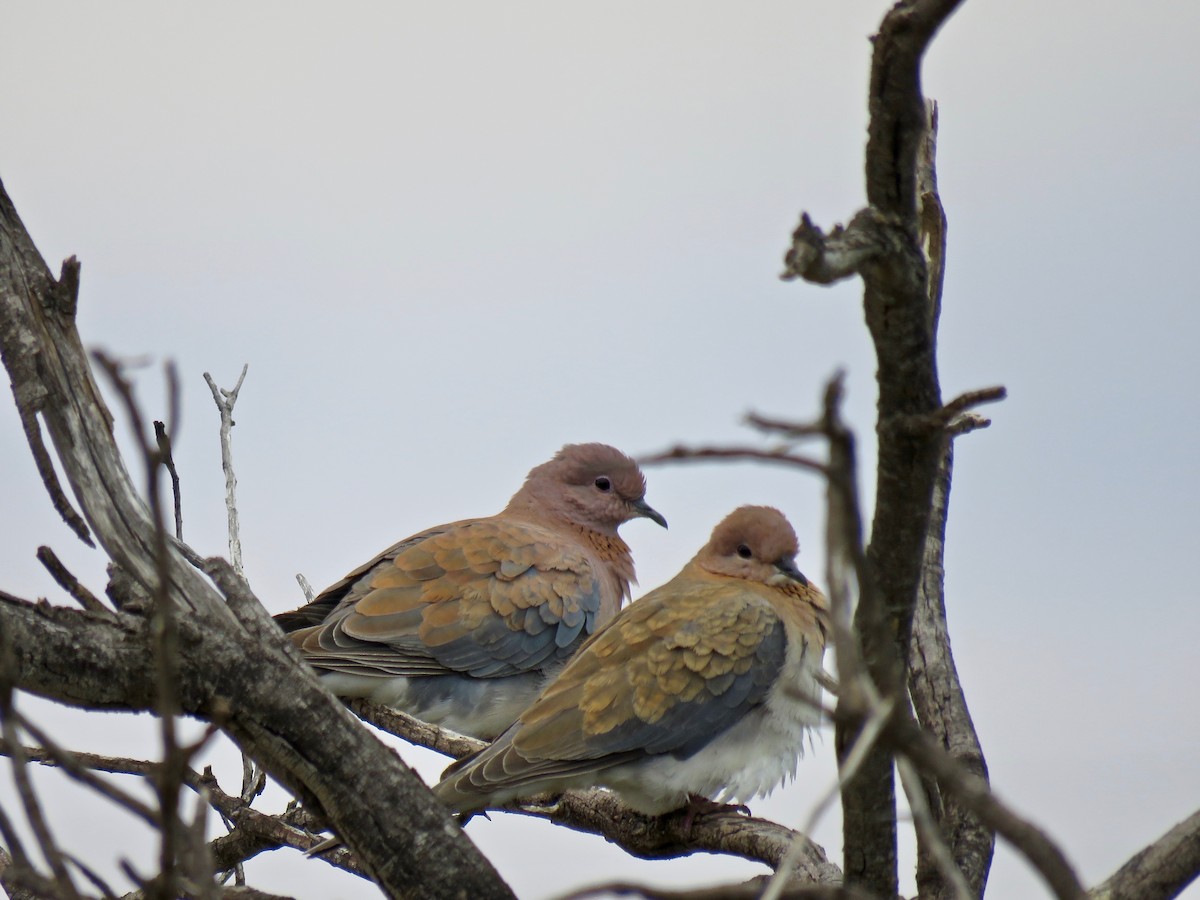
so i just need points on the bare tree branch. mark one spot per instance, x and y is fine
(669, 836)
(30, 803)
(18, 878)
(1042, 852)
(902, 322)
(932, 844)
(168, 775)
(163, 438)
(934, 688)
(253, 778)
(305, 588)
(941, 707)
(778, 883)
(79, 766)
(701, 454)
(1160, 871)
(600, 812)
(225, 401)
(303, 735)
(27, 408)
(404, 726)
(69, 582)
(819, 258)
(747, 891)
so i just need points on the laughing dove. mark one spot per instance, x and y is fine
(701, 689)
(460, 625)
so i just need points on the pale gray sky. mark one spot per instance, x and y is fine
(449, 238)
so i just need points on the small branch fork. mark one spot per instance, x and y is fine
(227, 659)
(602, 813)
(225, 400)
(897, 246)
(875, 720)
(254, 779)
(180, 860)
(824, 259)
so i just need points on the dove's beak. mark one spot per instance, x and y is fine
(645, 511)
(787, 567)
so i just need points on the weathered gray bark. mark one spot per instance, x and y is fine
(883, 245)
(1160, 871)
(236, 660)
(941, 708)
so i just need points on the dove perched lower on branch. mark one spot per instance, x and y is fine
(703, 688)
(460, 625)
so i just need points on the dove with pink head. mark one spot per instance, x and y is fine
(700, 691)
(460, 625)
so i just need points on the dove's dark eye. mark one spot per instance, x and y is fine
(744, 552)
(603, 484)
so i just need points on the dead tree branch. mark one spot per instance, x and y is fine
(902, 321)
(602, 813)
(934, 688)
(302, 735)
(225, 400)
(729, 454)
(1160, 871)
(931, 759)
(69, 582)
(941, 708)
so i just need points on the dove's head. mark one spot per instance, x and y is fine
(755, 543)
(590, 485)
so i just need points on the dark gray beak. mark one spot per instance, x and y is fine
(787, 566)
(646, 511)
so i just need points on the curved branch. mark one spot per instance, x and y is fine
(937, 696)
(302, 735)
(902, 322)
(819, 258)
(602, 813)
(1160, 871)
(1034, 844)
(941, 708)
(730, 454)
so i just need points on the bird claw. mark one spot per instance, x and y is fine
(544, 809)
(324, 846)
(698, 805)
(464, 818)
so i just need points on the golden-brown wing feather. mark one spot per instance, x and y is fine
(485, 597)
(676, 668)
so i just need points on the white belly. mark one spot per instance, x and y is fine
(479, 707)
(749, 760)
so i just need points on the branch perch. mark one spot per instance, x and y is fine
(228, 662)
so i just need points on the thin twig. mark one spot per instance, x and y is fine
(927, 828)
(966, 423)
(701, 454)
(785, 427)
(29, 799)
(49, 475)
(225, 401)
(18, 858)
(746, 891)
(1042, 852)
(402, 725)
(69, 582)
(253, 778)
(170, 773)
(163, 440)
(858, 752)
(306, 588)
(92, 876)
(943, 417)
(49, 754)
(1159, 871)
